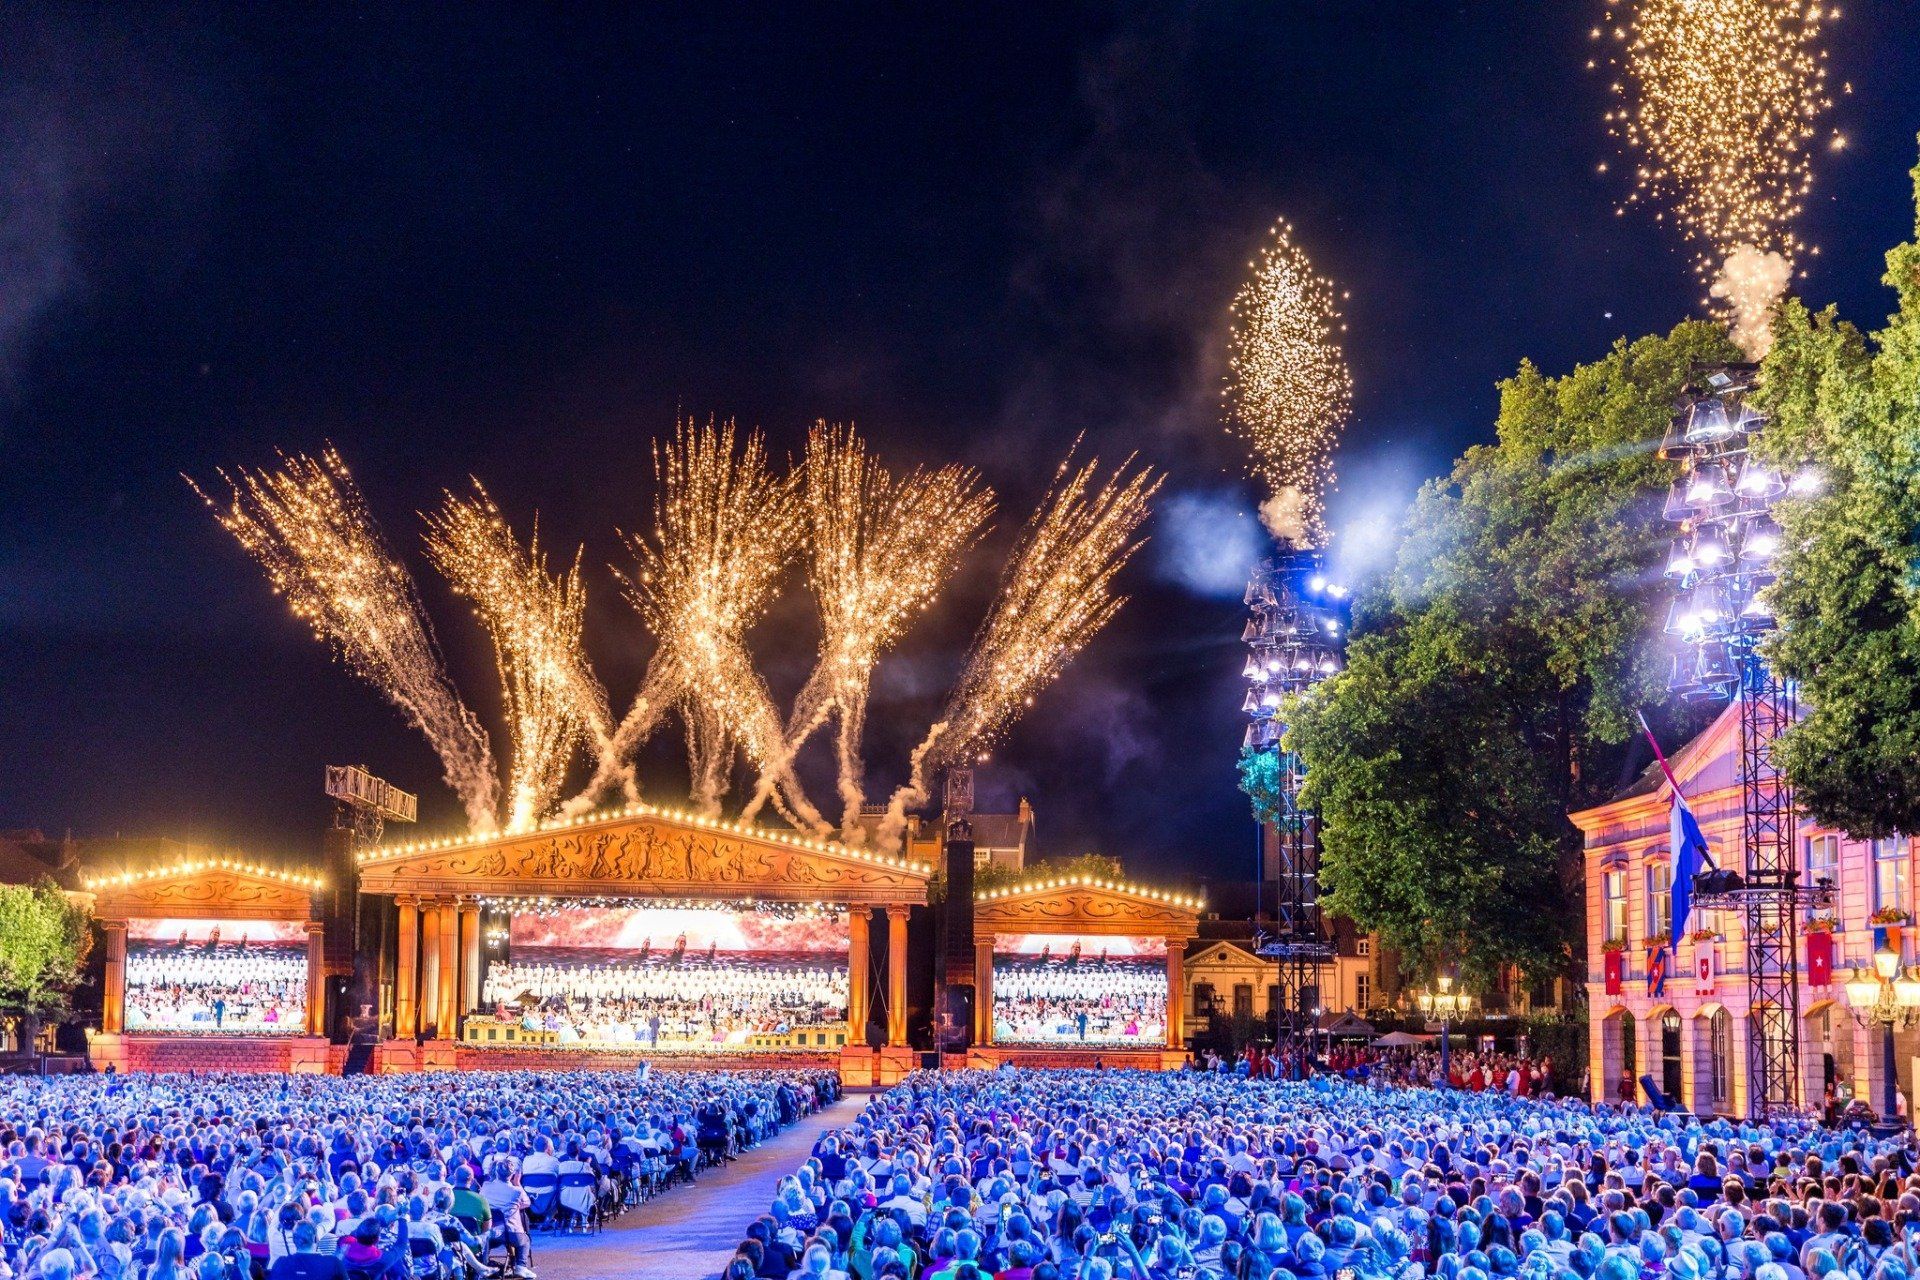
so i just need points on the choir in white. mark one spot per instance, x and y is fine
(225, 990)
(1079, 1001)
(664, 1002)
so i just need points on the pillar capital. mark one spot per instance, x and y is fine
(114, 926)
(896, 912)
(406, 899)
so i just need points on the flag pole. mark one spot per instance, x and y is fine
(1658, 754)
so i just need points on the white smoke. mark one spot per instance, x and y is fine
(1751, 282)
(1285, 515)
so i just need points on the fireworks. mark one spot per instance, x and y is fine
(878, 550)
(1057, 592)
(1289, 390)
(310, 529)
(554, 705)
(725, 530)
(1720, 98)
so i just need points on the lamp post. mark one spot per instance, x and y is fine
(1444, 1004)
(1891, 997)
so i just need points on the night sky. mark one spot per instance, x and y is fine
(513, 242)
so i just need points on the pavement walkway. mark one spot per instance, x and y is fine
(688, 1233)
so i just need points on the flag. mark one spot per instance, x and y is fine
(1689, 852)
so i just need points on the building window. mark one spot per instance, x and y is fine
(1613, 888)
(1890, 873)
(1823, 860)
(1273, 999)
(1203, 999)
(1243, 1000)
(1720, 1055)
(1659, 899)
(1363, 947)
(1362, 991)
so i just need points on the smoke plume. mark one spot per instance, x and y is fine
(1286, 514)
(1750, 283)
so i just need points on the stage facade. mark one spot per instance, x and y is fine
(1078, 971)
(593, 926)
(213, 963)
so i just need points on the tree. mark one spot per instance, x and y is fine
(44, 940)
(1494, 671)
(1260, 778)
(1848, 594)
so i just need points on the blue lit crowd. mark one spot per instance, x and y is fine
(1093, 1175)
(422, 1177)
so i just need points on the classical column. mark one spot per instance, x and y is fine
(430, 965)
(469, 956)
(897, 976)
(448, 1025)
(1176, 993)
(983, 991)
(859, 921)
(113, 997)
(316, 978)
(406, 972)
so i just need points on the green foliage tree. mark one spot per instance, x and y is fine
(1495, 671)
(1848, 594)
(44, 940)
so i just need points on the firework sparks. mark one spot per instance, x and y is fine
(309, 528)
(1289, 390)
(1720, 98)
(554, 704)
(725, 529)
(879, 549)
(1057, 593)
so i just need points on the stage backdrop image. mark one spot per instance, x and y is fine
(217, 977)
(692, 978)
(1073, 989)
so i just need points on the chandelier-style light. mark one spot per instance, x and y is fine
(1722, 562)
(1294, 632)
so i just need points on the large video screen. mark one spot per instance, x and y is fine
(1074, 989)
(672, 977)
(217, 977)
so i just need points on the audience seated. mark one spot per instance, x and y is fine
(211, 1177)
(1216, 1175)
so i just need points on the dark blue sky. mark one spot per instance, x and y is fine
(513, 241)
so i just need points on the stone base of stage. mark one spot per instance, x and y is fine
(986, 1057)
(279, 1055)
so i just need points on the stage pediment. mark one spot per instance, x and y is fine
(212, 890)
(1085, 907)
(647, 854)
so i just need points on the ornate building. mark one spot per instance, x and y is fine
(1691, 1036)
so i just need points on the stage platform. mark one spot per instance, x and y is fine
(1117, 1057)
(312, 1055)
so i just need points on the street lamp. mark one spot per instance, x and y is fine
(1890, 997)
(1444, 1004)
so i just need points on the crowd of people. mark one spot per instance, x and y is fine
(1079, 1001)
(210, 988)
(1093, 1175)
(668, 1001)
(196, 1177)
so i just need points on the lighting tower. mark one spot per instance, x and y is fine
(1721, 564)
(1294, 637)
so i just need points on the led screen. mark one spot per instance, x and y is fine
(671, 977)
(217, 977)
(1072, 989)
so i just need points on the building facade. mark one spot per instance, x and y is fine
(1691, 1036)
(1225, 978)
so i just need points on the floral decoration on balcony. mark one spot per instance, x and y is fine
(1656, 941)
(1823, 924)
(1889, 915)
(1612, 945)
(1705, 935)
